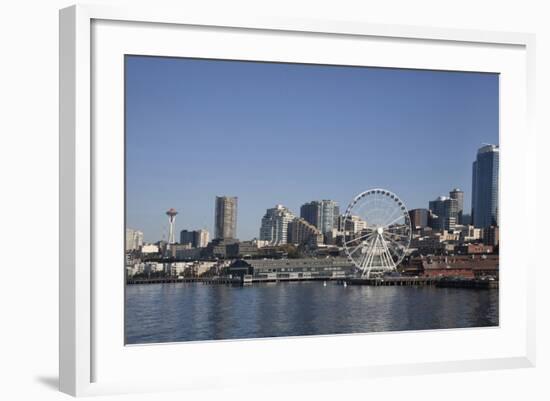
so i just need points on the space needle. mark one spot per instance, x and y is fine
(171, 213)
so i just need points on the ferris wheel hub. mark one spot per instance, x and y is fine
(380, 230)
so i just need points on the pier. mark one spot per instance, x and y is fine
(394, 281)
(204, 280)
(439, 282)
(474, 284)
(161, 280)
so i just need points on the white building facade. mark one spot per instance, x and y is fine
(134, 239)
(201, 238)
(274, 228)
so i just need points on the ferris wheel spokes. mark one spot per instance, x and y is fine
(359, 238)
(383, 237)
(378, 257)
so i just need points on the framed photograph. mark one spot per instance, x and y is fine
(293, 200)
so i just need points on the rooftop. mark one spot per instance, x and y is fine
(487, 148)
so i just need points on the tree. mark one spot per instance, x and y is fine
(290, 250)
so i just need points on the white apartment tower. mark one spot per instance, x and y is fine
(134, 239)
(274, 226)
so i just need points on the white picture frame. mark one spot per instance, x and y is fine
(93, 358)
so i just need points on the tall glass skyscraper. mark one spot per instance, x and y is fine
(322, 214)
(446, 210)
(485, 187)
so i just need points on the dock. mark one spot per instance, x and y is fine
(204, 280)
(401, 281)
(438, 282)
(468, 283)
(393, 281)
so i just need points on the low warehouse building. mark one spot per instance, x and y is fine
(292, 269)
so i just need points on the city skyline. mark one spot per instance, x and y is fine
(300, 216)
(205, 142)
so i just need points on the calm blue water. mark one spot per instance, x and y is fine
(194, 311)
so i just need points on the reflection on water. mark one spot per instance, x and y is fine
(194, 311)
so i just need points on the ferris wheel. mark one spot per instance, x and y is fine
(377, 232)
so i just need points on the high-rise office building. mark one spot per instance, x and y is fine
(336, 214)
(274, 226)
(419, 218)
(322, 214)
(186, 238)
(466, 219)
(446, 210)
(485, 187)
(226, 217)
(449, 223)
(329, 214)
(310, 213)
(195, 238)
(459, 196)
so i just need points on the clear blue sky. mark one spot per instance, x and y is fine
(291, 133)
